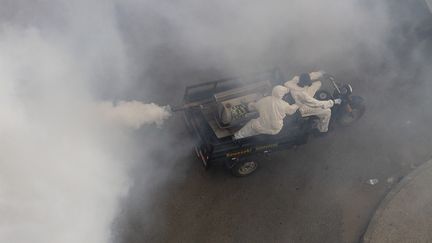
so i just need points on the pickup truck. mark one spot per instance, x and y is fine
(214, 111)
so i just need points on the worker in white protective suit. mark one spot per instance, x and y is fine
(272, 110)
(303, 89)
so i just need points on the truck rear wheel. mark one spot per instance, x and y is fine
(244, 168)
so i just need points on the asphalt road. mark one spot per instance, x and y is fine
(317, 193)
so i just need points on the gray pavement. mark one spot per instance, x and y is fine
(316, 193)
(405, 215)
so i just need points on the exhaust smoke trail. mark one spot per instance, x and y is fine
(134, 114)
(63, 164)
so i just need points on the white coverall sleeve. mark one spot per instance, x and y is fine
(311, 90)
(291, 82)
(290, 109)
(316, 75)
(252, 106)
(314, 103)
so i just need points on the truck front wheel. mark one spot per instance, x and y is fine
(244, 168)
(358, 108)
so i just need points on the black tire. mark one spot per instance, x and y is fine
(244, 168)
(358, 109)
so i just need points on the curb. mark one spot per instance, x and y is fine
(367, 236)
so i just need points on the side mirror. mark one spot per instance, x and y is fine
(346, 89)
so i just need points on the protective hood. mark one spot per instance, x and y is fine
(304, 80)
(279, 91)
(293, 84)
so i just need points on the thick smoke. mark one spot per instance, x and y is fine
(63, 165)
(134, 114)
(245, 36)
(63, 161)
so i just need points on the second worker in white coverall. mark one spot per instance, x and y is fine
(272, 110)
(303, 89)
